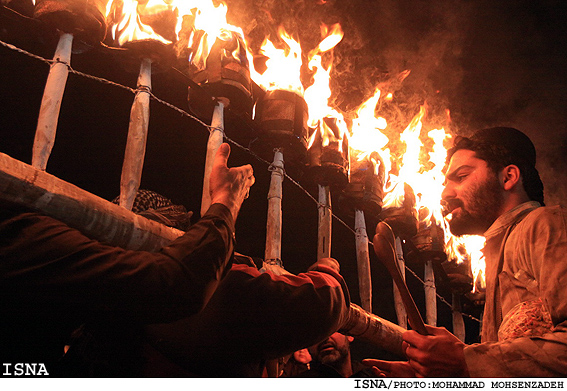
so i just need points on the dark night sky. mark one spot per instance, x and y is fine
(491, 63)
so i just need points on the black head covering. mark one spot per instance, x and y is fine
(516, 144)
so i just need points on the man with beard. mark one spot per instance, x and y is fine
(332, 358)
(492, 188)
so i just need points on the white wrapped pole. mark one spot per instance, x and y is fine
(274, 222)
(430, 295)
(458, 322)
(429, 280)
(363, 261)
(399, 304)
(325, 223)
(137, 137)
(215, 140)
(51, 102)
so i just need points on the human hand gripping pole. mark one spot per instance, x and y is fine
(229, 186)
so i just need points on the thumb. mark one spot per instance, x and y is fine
(222, 155)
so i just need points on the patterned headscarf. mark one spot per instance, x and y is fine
(156, 207)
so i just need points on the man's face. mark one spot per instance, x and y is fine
(473, 194)
(334, 349)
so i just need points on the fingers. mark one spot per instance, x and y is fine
(221, 158)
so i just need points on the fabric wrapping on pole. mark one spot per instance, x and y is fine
(373, 329)
(216, 137)
(399, 304)
(51, 102)
(274, 220)
(137, 137)
(325, 223)
(96, 217)
(363, 261)
(458, 322)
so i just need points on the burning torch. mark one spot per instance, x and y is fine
(145, 47)
(217, 62)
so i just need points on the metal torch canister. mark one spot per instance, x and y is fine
(282, 123)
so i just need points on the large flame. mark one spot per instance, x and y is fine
(318, 94)
(283, 65)
(208, 23)
(127, 23)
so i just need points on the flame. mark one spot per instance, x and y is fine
(209, 24)
(283, 65)
(318, 94)
(128, 26)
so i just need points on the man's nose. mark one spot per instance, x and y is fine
(448, 192)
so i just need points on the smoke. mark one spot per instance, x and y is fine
(489, 63)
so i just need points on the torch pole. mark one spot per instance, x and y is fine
(363, 261)
(399, 304)
(274, 220)
(137, 136)
(458, 322)
(325, 223)
(51, 102)
(429, 283)
(215, 140)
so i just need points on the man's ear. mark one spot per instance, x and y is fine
(511, 176)
(350, 338)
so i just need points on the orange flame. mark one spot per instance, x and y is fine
(318, 94)
(128, 26)
(283, 66)
(209, 24)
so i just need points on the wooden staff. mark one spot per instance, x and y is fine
(384, 243)
(274, 222)
(363, 260)
(399, 305)
(97, 218)
(137, 137)
(324, 223)
(458, 322)
(51, 102)
(216, 136)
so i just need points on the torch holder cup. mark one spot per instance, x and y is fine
(85, 19)
(282, 121)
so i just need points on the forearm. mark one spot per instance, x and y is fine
(47, 262)
(537, 356)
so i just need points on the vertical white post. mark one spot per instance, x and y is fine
(324, 223)
(399, 304)
(458, 322)
(363, 261)
(137, 137)
(274, 222)
(215, 140)
(430, 294)
(51, 102)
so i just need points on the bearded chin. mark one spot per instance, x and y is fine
(467, 225)
(482, 206)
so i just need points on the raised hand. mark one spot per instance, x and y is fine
(229, 186)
